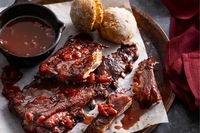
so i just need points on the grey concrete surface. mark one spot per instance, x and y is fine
(181, 120)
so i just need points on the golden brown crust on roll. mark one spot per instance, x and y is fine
(86, 15)
(118, 26)
(99, 15)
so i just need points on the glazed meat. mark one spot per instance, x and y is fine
(48, 105)
(145, 87)
(117, 104)
(117, 65)
(75, 61)
(120, 62)
(92, 67)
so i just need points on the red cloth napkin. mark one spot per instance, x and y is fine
(182, 61)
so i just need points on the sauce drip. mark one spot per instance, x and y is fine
(132, 115)
(9, 77)
(88, 119)
(118, 127)
(26, 36)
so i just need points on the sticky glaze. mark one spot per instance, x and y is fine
(132, 115)
(88, 119)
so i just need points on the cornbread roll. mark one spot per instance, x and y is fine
(118, 26)
(86, 15)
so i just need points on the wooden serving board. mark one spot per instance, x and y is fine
(155, 41)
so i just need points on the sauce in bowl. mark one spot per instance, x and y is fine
(27, 36)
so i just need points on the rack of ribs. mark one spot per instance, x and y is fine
(116, 105)
(82, 61)
(46, 105)
(145, 87)
(49, 105)
(75, 61)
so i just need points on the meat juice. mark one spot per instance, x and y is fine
(132, 115)
(26, 36)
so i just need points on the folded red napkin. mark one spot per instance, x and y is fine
(179, 26)
(182, 9)
(182, 62)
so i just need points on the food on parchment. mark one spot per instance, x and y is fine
(118, 26)
(120, 62)
(117, 104)
(75, 61)
(48, 105)
(145, 87)
(116, 65)
(90, 67)
(86, 15)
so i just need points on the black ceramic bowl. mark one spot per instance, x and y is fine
(35, 10)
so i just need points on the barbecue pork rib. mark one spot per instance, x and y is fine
(145, 87)
(75, 61)
(48, 105)
(117, 104)
(116, 65)
(81, 61)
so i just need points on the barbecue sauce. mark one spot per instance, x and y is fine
(26, 36)
(118, 127)
(132, 115)
(88, 119)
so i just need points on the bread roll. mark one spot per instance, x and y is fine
(118, 26)
(86, 15)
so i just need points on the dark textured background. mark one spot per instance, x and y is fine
(181, 120)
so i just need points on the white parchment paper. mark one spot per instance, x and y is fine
(155, 115)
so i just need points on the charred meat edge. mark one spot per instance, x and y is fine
(101, 123)
(33, 103)
(75, 61)
(145, 86)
